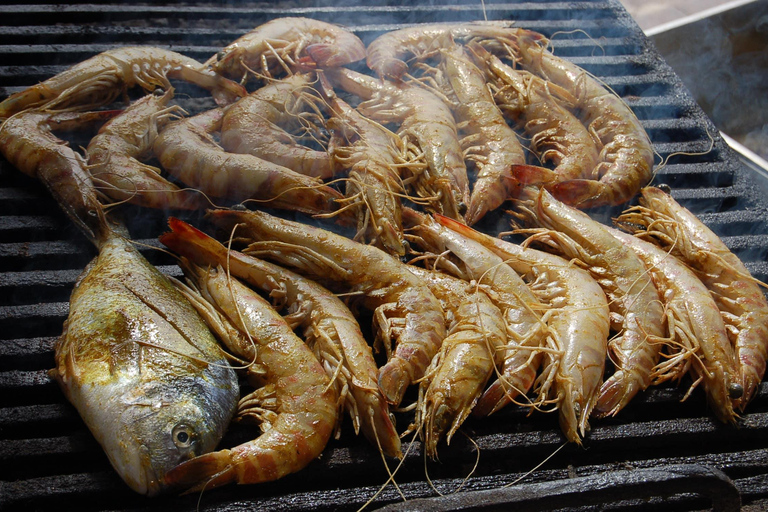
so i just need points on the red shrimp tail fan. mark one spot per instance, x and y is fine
(580, 193)
(494, 398)
(190, 242)
(202, 473)
(328, 55)
(533, 174)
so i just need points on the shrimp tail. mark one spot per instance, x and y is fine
(328, 55)
(394, 379)
(533, 174)
(193, 475)
(578, 193)
(498, 395)
(615, 393)
(191, 243)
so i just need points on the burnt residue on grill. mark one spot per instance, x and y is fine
(49, 460)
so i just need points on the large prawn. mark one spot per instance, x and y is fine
(297, 409)
(578, 328)
(696, 330)
(526, 329)
(556, 135)
(187, 151)
(626, 158)
(101, 79)
(259, 125)
(425, 119)
(637, 314)
(742, 304)
(373, 156)
(406, 312)
(472, 349)
(27, 141)
(328, 325)
(286, 40)
(489, 141)
(114, 156)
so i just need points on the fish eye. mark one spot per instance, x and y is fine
(182, 436)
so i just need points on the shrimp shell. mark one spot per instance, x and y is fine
(186, 150)
(636, 309)
(286, 39)
(257, 125)
(578, 326)
(695, 323)
(329, 327)
(626, 158)
(114, 153)
(459, 371)
(102, 78)
(743, 306)
(305, 410)
(406, 312)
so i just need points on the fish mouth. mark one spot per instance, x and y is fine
(138, 472)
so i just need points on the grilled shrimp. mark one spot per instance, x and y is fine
(626, 158)
(695, 327)
(743, 306)
(489, 141)
(385, 54)
(406, 313)
(424, 118)
(637, 313)
(526, 331)
(101, 79)
(293, 400)
(258, 124)
(458, 373)
(578, 327)
(187, 151)
(329, 327)
(372, 155)
(114, 153)
(286, 39)
(556, 135)
(28, 143)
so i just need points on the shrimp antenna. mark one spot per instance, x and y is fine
(391, 478)
(537, 466)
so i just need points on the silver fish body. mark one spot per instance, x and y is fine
(141, 367)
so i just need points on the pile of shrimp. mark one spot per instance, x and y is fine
(387, 165)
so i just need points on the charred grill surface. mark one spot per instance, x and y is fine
(47, 457)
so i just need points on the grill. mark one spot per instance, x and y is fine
(659, 453)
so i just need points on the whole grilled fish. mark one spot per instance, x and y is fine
(135, 358)
(141, 367)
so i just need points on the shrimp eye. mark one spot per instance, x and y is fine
(182, 436)
(735, 391)
(220, 55)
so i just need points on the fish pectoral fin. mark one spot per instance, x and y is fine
(260, 407)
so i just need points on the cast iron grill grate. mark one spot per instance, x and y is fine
(47, 457)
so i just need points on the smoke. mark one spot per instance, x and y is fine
(722, 59)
